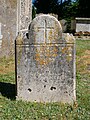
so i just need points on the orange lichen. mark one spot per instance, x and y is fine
(65, 49)
(68, 51)
(45, 53)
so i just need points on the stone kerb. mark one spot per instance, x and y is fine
(46, 63)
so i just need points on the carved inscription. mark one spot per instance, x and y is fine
(24, 14)
(46, 52)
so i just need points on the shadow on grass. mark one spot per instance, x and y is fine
(8, 90)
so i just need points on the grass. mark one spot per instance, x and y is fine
(10, 109)
(83, 56)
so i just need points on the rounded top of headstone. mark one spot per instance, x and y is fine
(47, 16)
(45, 29)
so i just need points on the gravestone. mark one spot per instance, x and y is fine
(46, 63)
(64, 25)
(8, 27)
(73, 26)
(24, 15)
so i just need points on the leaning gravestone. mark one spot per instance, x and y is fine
(46, 63)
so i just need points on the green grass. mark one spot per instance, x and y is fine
(10, 78)
(82, 46)
(83, 56)
(10, 109)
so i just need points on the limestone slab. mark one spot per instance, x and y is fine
(83, 24)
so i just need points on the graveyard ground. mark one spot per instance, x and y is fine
(10, 109)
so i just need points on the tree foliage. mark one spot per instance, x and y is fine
(64, 8)
(46, 6)
(83, 8)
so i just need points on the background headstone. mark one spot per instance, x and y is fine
(8, 26)
(24, 13)
(13, 21)
(46, 63)
(64, 25)
(73, 26)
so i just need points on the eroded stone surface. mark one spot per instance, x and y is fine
(64, 25)
(24, 14)
(46, 63)
(8, 27)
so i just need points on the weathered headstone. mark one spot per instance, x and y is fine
(64, 25)
(46, 63)
(24, 13)
(73, 25)
(8, 27)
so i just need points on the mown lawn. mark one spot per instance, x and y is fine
(10, 109)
